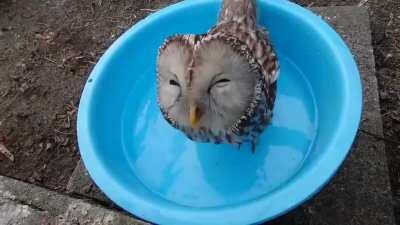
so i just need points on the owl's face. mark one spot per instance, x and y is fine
(209, 86)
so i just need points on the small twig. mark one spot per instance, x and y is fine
(386, 114)
(311, 4)
(390, 19)
(362, 2)
(5, 93)
(71, 105)
(43, 24)
(380, 137)
(121, 27)
(50, 60)
(6, 152)
(91, 62)
(80, 57)
(149, 10)
(60, 132)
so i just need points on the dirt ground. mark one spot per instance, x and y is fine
(47, 50)
(49, 47)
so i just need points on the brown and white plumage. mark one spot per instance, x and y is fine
(220, 86)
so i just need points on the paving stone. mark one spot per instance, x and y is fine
(26, 204)
(13, 213)
(80, 183)
(360, 192)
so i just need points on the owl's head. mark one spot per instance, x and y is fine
(210, 83)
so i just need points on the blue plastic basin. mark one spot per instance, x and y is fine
(153, 171)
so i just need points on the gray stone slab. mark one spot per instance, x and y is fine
(27, 204)
(360, 192)
(13, 213)
(80, 183)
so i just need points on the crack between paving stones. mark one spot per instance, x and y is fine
(92, 200)
(379, 137)
(110, 206)
(34, 207)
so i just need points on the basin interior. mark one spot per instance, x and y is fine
(144, 154)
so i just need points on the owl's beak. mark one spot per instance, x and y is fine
(194, 115)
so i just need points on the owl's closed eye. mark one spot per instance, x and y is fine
(220, 86)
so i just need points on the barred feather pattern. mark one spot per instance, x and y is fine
(237, 26)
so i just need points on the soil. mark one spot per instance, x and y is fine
(49, 47)
(47, 50)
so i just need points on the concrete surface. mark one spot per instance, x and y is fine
(27, 204)
(359, 194)
(80, 183)
(14, 213)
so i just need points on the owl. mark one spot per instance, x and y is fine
(220, 86)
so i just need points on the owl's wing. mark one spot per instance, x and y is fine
(266, 55)
(243, 11)
(257, 41)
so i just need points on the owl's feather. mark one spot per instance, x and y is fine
(240, 56)
(238, 18)
(241, 11)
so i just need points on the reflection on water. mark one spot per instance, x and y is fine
(206, 175)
